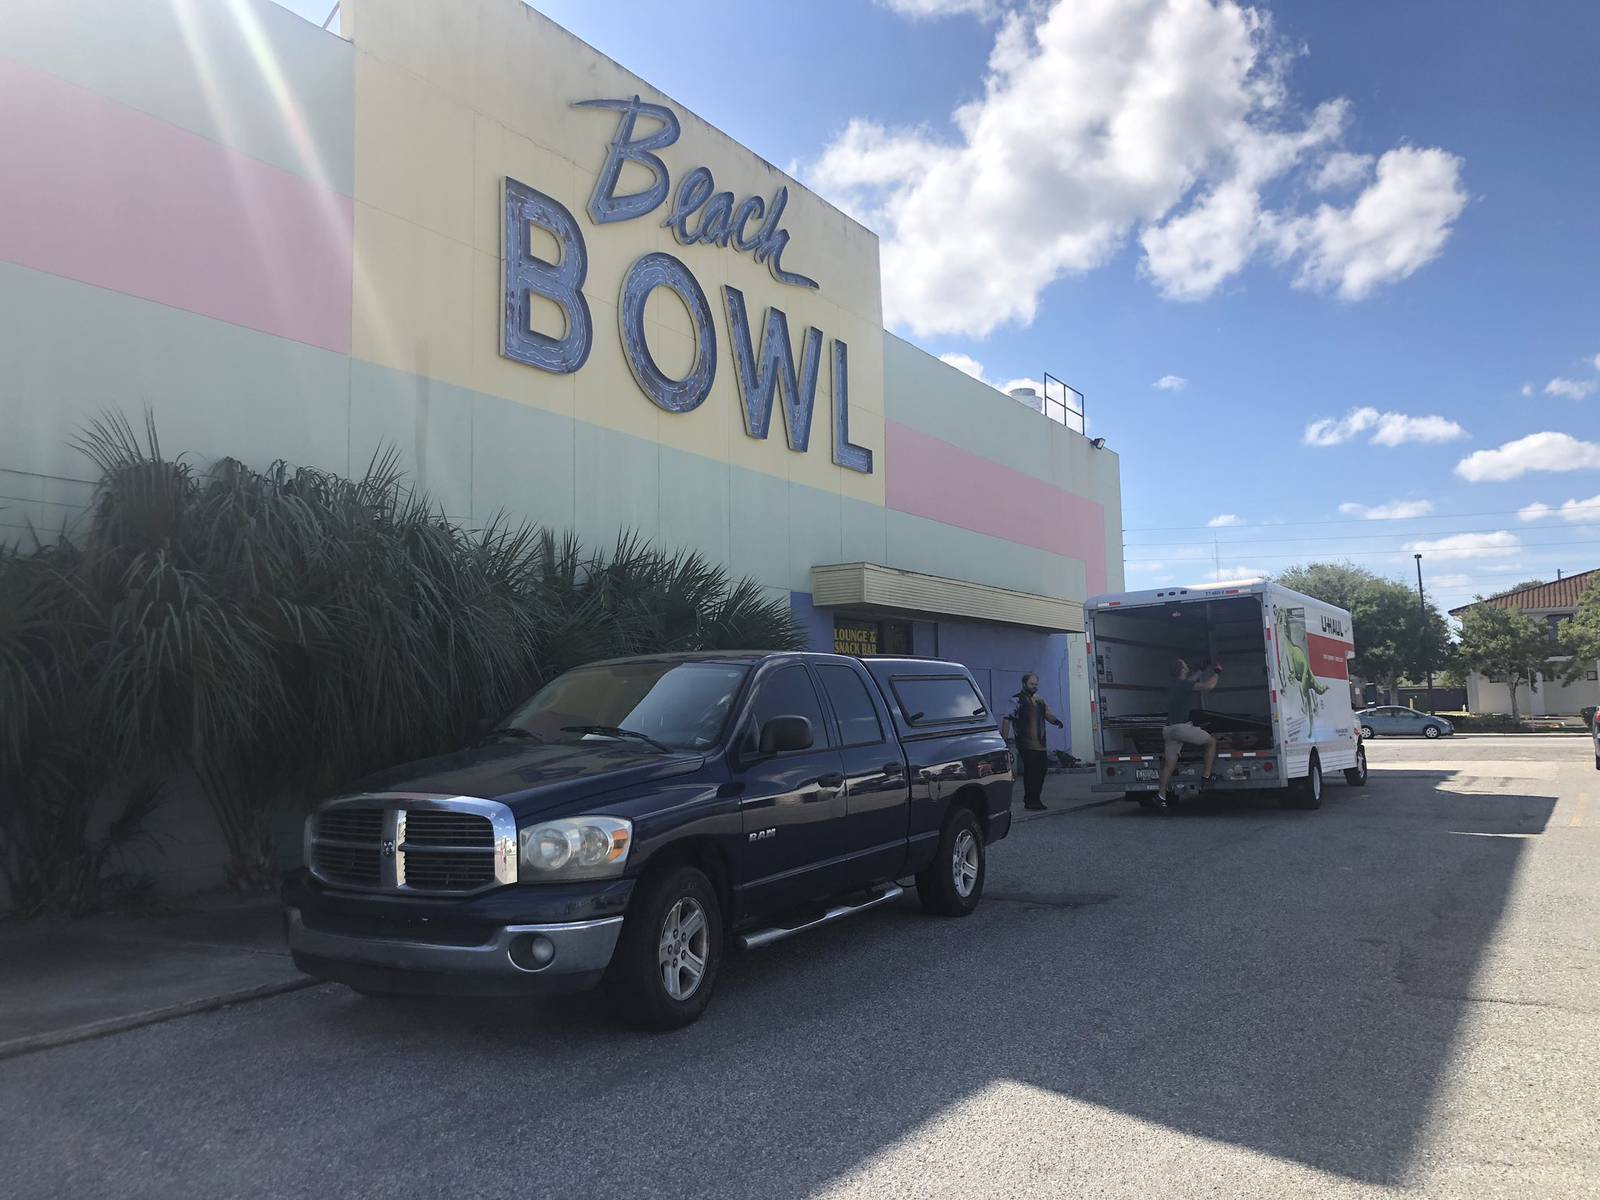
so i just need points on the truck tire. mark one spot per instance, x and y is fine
(1306, 793)
(952, 884)
(665, 966)
(1356, 776)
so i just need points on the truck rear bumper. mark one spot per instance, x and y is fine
(511, 960)
(1186, 786)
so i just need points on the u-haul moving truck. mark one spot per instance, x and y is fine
(1281, 712)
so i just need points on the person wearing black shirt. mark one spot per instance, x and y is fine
(1027, 723)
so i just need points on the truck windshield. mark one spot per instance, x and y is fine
(678, 705)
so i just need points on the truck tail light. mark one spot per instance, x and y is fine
(1267, 765)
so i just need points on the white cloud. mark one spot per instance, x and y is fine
(1527, 389)
(1395, 429)
(1099, 121)
(968, 365)
(1449, 580)
(1170, 383)
(1334, 431)
(1571, 389)
(925, 9)
(964, 363)
(1395, 510)
(1537, 452)
(1468, 545)
(1222, 520)
(1229, 572)
(1574, 511)
(1581, 510)
(1388, 428)
(1597, 362)
(1397, 225)
(1342, 169)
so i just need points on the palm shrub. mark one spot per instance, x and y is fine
(278, 633)
(59, 850)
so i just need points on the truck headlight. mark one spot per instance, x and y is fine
(573, 848)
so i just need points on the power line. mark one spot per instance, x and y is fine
(1502, 512)
(1329, 537)
(1403, 553)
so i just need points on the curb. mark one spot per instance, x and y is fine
(151, 1016)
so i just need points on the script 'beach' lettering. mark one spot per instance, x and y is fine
(716, 219)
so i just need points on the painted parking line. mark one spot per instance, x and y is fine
(1583, 803)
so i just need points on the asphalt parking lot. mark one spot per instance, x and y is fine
(1395, 995)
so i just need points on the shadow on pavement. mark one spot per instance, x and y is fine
(1225, 976)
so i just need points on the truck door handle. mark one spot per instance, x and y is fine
(894, 768)
(830, 781)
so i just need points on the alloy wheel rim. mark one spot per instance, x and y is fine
(683, 949)
(964, 863)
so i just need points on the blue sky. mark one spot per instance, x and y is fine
(1380, 217)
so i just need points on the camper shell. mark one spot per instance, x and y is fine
(1281, 712)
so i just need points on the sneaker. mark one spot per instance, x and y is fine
(1208, 781)
(1160, 803)
(1035, 807)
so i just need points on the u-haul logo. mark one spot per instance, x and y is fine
(1333, 625)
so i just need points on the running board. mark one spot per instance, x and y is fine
(765, 937)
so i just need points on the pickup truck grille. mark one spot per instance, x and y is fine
(409, 844)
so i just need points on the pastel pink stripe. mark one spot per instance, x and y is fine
(93, 191)
(931, 478)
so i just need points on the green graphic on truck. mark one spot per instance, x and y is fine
(1300, 684)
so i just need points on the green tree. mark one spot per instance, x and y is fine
(1580, 634)
(1505, 645)
(1394, 636)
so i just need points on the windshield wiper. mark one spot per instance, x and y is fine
(617, 731)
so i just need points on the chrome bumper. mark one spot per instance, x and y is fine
(580, 948)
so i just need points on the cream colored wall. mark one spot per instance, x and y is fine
(453, 97)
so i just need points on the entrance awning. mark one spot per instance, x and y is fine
(868, 587)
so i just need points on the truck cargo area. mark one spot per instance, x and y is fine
(1134, 649)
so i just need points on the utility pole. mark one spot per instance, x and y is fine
(1422, 629)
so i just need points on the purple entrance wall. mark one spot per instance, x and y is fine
(997, 655)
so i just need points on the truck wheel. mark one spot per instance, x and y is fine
(1306, 793)
(665, 967)
(952, 884)
(1366, 732)
(1356, 776)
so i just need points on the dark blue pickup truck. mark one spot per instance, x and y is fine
(638, 816)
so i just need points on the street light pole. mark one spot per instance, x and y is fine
(1422, 629)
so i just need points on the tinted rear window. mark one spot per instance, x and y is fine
(858, 716)
(930, 700)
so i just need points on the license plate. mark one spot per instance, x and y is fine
(1147, 773)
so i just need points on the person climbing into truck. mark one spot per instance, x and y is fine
(1180, 731)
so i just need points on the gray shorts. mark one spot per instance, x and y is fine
(1177, 737)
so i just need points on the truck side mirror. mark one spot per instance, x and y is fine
(782, 734)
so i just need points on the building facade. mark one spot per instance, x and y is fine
(1548, 604)
(459, 231)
